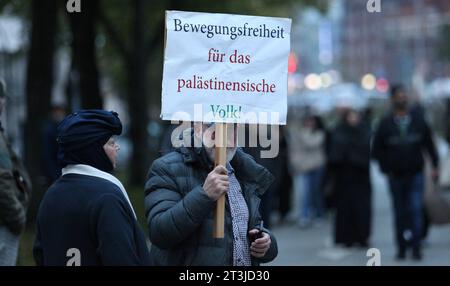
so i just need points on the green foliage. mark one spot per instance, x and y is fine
(15, 7)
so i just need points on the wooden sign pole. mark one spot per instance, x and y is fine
(220, 159)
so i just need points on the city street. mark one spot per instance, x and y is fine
(144, 133)
(313, 246)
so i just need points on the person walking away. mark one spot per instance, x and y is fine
(349, 160)
(86, 217)
(307, 160)
(400, 141)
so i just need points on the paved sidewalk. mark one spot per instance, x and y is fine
(314, 246)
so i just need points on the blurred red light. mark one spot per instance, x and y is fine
(292, 63)
(382, 85)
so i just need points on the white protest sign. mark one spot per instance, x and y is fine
(225, 68)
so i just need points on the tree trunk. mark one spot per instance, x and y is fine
(84, 54)
(38, 90)
(447, 128)
(138, 98)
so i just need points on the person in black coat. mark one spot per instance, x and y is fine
(86, 217)
(349, 158)
(400, 142)
(50, 166)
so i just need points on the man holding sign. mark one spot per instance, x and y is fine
(181, 195)
(202, 201)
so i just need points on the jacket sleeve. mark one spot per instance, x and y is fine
(379, 148)
(114, 229)
(272, 252)
(12, 212)
(171, 217)
(430, 147)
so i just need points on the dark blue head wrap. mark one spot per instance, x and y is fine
(82, 134)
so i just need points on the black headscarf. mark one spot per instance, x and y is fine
(81, 136)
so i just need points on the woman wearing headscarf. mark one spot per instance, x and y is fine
(86, 217)
(349, 161)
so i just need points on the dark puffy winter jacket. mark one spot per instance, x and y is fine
(180, 214)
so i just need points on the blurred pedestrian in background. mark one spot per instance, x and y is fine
(87, 208)
(349, 162)
(272, 164)
(15, 189)
(401, 139)
(285, 179)
(52, 170)
(307, 140)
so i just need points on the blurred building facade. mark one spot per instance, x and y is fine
(316, 38)
(400, 43)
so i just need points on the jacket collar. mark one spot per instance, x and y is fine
(87, 170)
